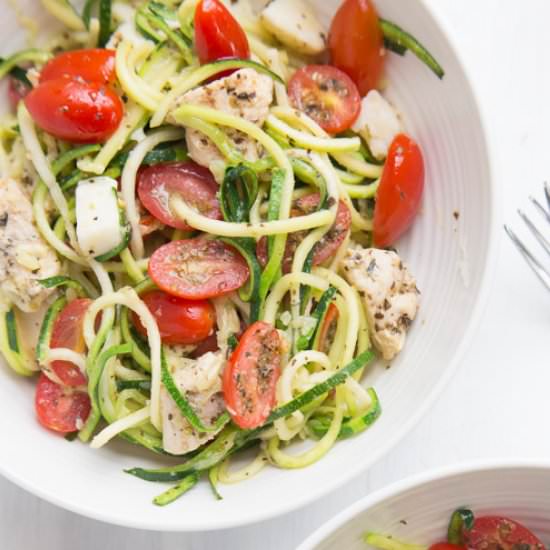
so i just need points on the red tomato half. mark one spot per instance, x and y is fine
(60, 409)
(218, 35)
(180, 321)
(356, 44)
(400, 191)
(67, 333)
(327, 95)
(500, 532)
(73, 110)
(92, 65)
(325, 248)
(251, 375)
(194, 183)
(197, 268)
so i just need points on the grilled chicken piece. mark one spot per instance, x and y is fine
(389, 293)
(199, 380)
(25, 257)
(245, 94)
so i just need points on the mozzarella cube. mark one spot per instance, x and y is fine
(97, 216)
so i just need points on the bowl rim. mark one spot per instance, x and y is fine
(418, 481)
(354, 470)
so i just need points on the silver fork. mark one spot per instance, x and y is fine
(540, 270)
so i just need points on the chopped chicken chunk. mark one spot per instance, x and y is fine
(389, 293)
(25, 257)
(378, 123)
(199, 381)
(245, 94)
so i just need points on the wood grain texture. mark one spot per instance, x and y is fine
(498, 400)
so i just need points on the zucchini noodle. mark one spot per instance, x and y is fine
(284, 460)
(127, 57)
(128, 182)
(41, 165)
(62, 10)
(352, 304)
(41, 219)
(302, 120)
(323, 144)
(131, 421)
(283, 285)
(244, 473)
(129, 298)
(285, 389)
(281, 182)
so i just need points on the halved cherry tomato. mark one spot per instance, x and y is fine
(325, 248)
(67, 333)
(327, 95)
(251, 375)
(17, 90)
(180, 321)
(218, 35)
(197, 268)
(73, 110)
(326, 333)
(356, 44)
(92, 65)
(500, 532)
(400, 191)
(446, 546)
(60, 409)
(194, 183)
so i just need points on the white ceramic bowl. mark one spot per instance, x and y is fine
(418, 510)
(450, 259)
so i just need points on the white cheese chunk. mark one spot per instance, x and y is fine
(97, 216)
(378, 123)
(294, 23)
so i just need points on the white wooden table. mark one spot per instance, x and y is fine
(497, 405)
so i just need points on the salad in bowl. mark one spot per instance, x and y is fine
(200, 204)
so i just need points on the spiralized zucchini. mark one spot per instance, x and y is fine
(321, 319)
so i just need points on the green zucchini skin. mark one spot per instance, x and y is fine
(247, 249)
(10, 345)
(461, 519)
(141, 385)
(232, 439)
(184, 406)
(351, 426)
(176, 492)
(140, 349)
(305, 341)
(94, 375)
(400, 41)
(104, 23)
(62, 281)
(45, 334)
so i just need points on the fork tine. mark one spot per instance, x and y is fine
(547, 193)
(538, 269)
(541, 208)
(538, 235)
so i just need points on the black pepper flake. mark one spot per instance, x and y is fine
(456, 215)
(4, 219)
